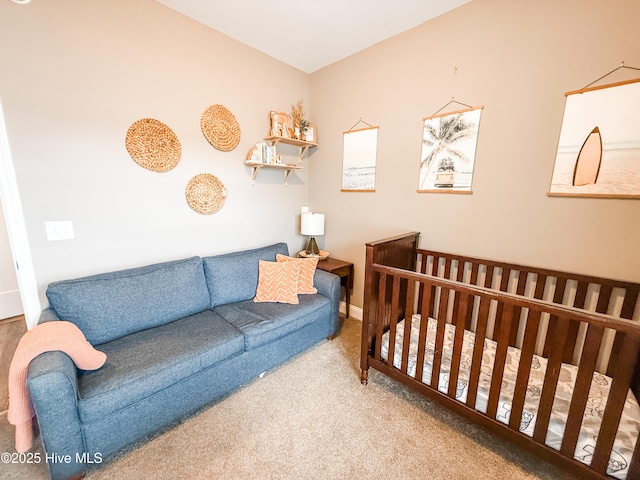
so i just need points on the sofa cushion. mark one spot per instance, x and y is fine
(261, 323)
(111, 305)
(233, 277)
(146, 362)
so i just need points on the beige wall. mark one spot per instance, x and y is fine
(517, 59)
(75, 74)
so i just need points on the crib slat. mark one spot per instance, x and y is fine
(615, 402)
(541, 284)
(504, 285)
(422, 337)
(521, 285)
(604, 298)
(395, 289)
(557, 298)
(504, 281)
(556, 347)
(524, 368)
(460, 270)
(488, 279)
(478, 349)
(424, 260)
(512, 321)
(456, 306)
(382, 289)
(572, 336)
(561, 286)
(408, 315)
(447, 268)
(438, 347)
(500, 360)
(630, 299)
(474, 273)
(459, 322)
(581, 388)
(435, 267)
(522, 282)
(634, 464)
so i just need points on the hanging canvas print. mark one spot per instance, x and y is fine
(599, 147)
(448, 151)
(359, 160)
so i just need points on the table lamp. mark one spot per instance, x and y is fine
(312, 224)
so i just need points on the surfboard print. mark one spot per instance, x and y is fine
(589, 160)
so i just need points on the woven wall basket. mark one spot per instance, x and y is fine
(153, 145)
(220, 128)
(205, 194)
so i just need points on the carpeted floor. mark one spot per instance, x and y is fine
(312, 419)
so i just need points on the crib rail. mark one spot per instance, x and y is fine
(511, 306)
(602, 295)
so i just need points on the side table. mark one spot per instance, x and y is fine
(342, 269)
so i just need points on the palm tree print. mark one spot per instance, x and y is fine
(439, 140)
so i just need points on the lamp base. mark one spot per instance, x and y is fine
(312, 247)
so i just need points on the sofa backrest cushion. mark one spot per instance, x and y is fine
(111, 305)
(233, 277)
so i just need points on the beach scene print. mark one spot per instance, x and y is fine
(359, 159)
(448, 151)
(613, 113)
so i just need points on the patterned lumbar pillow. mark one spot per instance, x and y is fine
(307, 270)
(277, 282)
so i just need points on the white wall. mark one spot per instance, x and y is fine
(10, 302)
(517, 59)
(75, 75)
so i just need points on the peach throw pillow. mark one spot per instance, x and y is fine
(307, 270)
(277, 282)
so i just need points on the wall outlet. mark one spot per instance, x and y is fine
(304, 209)
(59, 230)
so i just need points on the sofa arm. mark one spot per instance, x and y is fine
(328, 285)
(48, 315)
(52, 380)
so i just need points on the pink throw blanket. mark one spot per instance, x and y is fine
(45, 337)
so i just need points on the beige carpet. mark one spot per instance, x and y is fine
(312, 419)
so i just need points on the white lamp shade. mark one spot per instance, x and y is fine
(312, 224)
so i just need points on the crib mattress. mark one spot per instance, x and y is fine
(629, 423)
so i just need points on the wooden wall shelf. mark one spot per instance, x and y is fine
(288, 168)
(304, 146)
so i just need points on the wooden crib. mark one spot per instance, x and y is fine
(547, 359)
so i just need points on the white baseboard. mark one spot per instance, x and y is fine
(354, 312)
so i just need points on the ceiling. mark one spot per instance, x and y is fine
(311, 34)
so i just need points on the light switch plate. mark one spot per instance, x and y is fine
(59, 230)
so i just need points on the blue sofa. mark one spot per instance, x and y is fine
(178, 336)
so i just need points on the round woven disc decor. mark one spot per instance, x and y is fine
(153, 145)
(220, 128)
(205, 194)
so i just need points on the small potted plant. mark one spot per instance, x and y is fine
(304, 126)
(296, 115)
